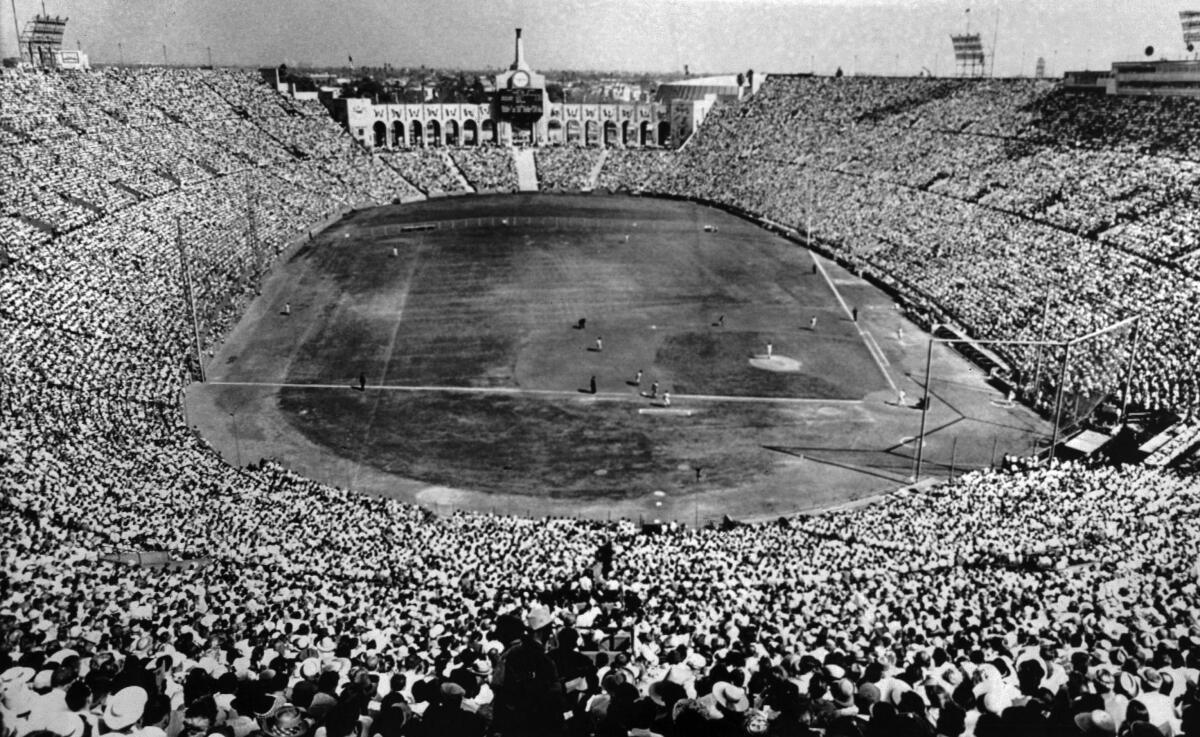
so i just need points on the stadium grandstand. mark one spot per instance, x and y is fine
(150, 588)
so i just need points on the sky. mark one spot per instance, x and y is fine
(709, 36)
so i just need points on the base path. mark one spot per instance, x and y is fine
(517, 391)
(527, 178)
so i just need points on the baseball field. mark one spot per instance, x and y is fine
(575, 354)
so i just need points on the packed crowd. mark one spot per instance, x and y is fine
(1049, 601)
(632, 170)
(1058, 601)
(428, 169)
(565, 168)
(486, 168)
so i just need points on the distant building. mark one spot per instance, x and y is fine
(688, 101)
(519, 112)
(1088, 80)
(1147, 78)
(1172, 78)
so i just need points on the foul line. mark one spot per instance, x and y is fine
(387, 362)
(872, 347)
(517, 391)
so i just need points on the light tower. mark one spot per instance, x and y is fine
(521, 100)
(519, 55)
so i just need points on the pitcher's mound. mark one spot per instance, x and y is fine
(782, 364)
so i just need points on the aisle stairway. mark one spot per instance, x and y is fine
(594, 174)
(527, 179)
(453, 166)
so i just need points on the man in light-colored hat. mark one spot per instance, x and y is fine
(18, 700)
(1096, 723)
(53, 701)
(538, 618)
(124, 709)
(15, 677)
(65, 724)
(287, 721)
(1105, 684)
(730, 698)
(1159, 706)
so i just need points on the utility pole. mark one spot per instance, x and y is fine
(812, 202)
(16, 28)
(1037, 371)
(165, 61)
(121, 52)
(237, 441)
(1137, 334)
(189, 295)
(924, 405)
(209, 56)
(1062, 379)
(252, 232)
(995, 35)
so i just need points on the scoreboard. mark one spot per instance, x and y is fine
(514, 102)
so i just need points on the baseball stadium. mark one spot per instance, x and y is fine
(777, 403)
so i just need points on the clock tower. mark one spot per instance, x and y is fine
(521, 102)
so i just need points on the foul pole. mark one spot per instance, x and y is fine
(924, 406)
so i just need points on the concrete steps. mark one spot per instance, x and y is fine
(594, 175)
(527, 178)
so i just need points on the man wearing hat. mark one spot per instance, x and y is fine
(1095, 723)
(287, 721)
(1105, 683)
(124, 710)
(729, 699)
(528, 692)
(446, 716)
(16, 699)
(1160, 706)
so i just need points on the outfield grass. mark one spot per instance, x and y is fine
(565, 448)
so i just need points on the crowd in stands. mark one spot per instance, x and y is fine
(486, 168)
(1058, 600)
(427, 169)
(633, 170)
(565, 168)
